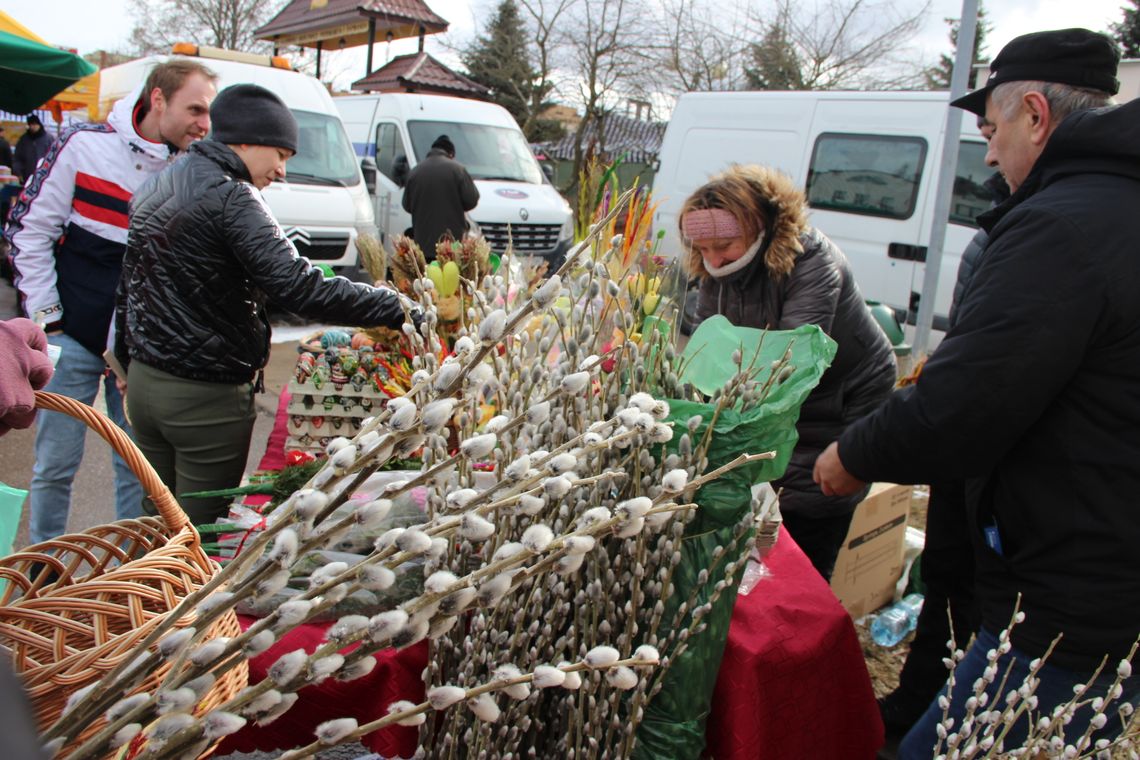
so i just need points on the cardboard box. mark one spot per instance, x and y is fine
(871, 559)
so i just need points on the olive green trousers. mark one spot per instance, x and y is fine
(195, 434)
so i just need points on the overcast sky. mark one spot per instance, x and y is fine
(71, 23)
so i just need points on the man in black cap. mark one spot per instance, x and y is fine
(1032, 398)
(204, 254)
(438, 193)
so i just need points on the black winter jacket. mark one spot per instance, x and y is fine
(203, 254)
(973, 253)
(1034, 397)
(438, 193)
(819, 290)
(30, 148)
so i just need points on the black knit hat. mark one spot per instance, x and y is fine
(1074, 57)
(443, 142)
(246, 114)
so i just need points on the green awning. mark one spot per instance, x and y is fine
(31, 73)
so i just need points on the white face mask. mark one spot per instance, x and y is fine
(735, 266)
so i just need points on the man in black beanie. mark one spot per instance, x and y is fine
(30, 148)
(438, 193)
(204, 254)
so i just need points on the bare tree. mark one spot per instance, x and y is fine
(221, 23)
(840, 44)
(701, 46)
(607, 44)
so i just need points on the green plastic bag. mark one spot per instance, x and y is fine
(674, 723)
(11, 505)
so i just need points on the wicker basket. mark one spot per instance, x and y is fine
(77, 606)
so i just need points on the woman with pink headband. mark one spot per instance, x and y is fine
(762, 265)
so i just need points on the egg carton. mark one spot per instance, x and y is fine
(306, 442)
(329, 388)
(311, 405)
(320, 426)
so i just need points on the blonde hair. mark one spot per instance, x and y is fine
(759, 198)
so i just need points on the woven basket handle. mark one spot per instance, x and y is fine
(168, 508)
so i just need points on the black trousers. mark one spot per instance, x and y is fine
(948, 571)
(820, 538)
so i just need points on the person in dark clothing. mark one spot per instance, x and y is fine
(438, 193)
(5, 199)
(761, 265)
(1031, 396)
(947, 559)
(30, 148)
(204, 254)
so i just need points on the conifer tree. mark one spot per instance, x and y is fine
(1127, 32)
(938, 76)
(500, 60)
(775, 64)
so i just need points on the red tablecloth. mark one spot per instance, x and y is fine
(397, 675)
(792, 684)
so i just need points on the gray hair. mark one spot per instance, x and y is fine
(1063, 99)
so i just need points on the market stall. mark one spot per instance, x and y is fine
(792, 683)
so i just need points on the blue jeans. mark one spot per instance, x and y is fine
(1056, 688)
(60, 438)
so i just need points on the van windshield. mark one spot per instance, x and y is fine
(324, 154)
(486, 152)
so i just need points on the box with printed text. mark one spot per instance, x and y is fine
(871, 559)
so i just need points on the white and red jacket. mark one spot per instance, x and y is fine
(68, 229)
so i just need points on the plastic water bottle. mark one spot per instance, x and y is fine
(894, 623)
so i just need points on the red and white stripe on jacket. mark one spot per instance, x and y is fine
(85, 181)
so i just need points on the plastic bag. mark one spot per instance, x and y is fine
(674, 724)
(11, 505)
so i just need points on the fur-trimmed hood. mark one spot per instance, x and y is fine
(786, 205)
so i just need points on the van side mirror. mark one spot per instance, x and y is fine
(548, 171)
(368, 169)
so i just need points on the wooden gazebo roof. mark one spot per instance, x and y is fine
(348, 23)
(419, 72)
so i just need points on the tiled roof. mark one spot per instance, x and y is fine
(419, 72)
(303, 22)
(638, 141)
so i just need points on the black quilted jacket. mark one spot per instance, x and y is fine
(203, 254)
(820, 290)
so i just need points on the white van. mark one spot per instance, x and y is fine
(516, 201)
(867, 162)
(323, 205)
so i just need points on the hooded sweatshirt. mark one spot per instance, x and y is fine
(1034, 398)
(68, 229)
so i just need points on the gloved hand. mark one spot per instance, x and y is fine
(26, 368)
